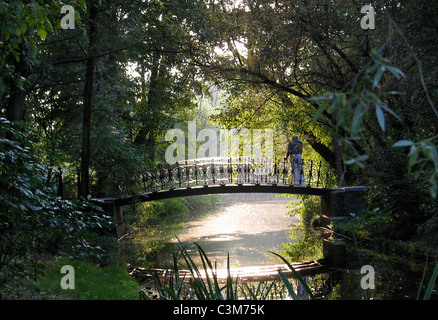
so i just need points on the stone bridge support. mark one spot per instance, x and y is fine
(110, 206)
(340, 203)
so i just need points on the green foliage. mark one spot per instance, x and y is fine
(306, 244)
(32, 218)
(306, 241)
(205, 285)
(400, 171)
(352, 107)
(420, 157)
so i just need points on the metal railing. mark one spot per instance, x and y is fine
(240, 170)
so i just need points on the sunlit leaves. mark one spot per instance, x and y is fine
(419, 155)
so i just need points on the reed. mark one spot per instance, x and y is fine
(204, 284)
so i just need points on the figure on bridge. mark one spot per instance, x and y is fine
(294, 150)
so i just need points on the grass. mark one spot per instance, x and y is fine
(91, 282)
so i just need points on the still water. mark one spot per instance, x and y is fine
(247, 226)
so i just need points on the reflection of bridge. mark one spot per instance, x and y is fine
(245, 274)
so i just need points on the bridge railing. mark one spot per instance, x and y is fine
(235, 170)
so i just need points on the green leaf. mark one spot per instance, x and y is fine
(403, 143)
(433, 187)
(380, 117)
(413, 156)
(319, 112)
(358, 115)
(42, 33)
(431, 284)
(378, 76)
(413, 149)
(385, 107)
(362, 157)
(336, 103)
(396, 72)
(288, 285)
(297, 275)
(319, 98)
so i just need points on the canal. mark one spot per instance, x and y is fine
(248, 226)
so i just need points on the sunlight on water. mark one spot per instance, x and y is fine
(248, 226)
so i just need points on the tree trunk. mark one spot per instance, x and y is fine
(88, 93)
(15, 104)
(321, 149)
(152, 100)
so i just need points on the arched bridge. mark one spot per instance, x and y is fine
(230, 175)
(240, 175)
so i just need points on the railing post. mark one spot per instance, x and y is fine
(170, 175)
(143, 179)
(204, 173)
(221, 172)
(187, 174)
(275, 169)
(310, 173)
(246, 172)
(178, 169)
(213, 171)
(319, 174)
(284, 172)
(230, 170)
(161, 175)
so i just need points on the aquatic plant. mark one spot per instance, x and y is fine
(202, 283)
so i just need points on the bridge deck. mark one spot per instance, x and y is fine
(213, 189)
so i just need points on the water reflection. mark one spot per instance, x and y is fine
(250, 225)
(246, 227)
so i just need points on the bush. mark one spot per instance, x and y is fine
(33, 220)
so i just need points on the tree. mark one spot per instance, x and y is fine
(23, 26)
(295, 50)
